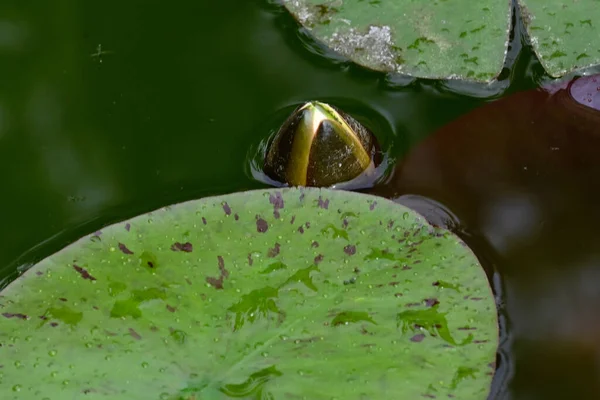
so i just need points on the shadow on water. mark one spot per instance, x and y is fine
(116, 108)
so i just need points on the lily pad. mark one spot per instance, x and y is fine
(427, 39)
(564, 34)
(266, 294)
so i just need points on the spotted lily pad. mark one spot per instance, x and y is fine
(427, 39)
(267, 294)
(564, 34)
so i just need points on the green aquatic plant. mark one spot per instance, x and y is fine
(462, 39)
(250, 295)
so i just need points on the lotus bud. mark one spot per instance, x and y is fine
(319, 145)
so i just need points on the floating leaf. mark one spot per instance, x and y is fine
(225, 297)
(565, 34)
(433, 39)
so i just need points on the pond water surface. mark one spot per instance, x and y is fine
(111, 109)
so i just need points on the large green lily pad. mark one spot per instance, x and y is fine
(565, 34)
(267, 294)
(461, 39)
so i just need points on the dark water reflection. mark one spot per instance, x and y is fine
(168, 109)
(521, 177)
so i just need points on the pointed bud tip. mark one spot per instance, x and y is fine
(320, 145)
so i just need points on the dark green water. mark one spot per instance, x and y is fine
(167, 114)
(111, 109)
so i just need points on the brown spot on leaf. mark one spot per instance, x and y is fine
(250, 260)
(15, 315)
(274, 251)
(390, 224)
(301, 229)
(323, 204)
(394, 284)
(277, 201)
(431, 302)
(466, 328)
(236, 216)
(318, 258)
(214, 282)
(127, 227)
(170, 308)
(480, 341)
(62, 299)
(261, 225)
(350, 249)
(54, 324)
(398, 294)
(314, 244)
(39, 273)
(293, 219)
(372, 206)
(417, 338)
(345, 223)
(124, 249)
(186, 247)
(413, 304)
(224, 272)
(204, 220)
(217, 283)
(134, 334)
(226, 208)
(83, 272)
(476, 298)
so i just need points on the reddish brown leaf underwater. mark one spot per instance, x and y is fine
(521, 177)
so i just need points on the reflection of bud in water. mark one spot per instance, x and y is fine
(319, 145)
